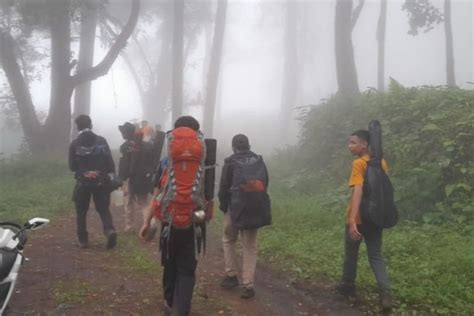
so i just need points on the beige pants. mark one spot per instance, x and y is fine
(249, 251)
(133, 204)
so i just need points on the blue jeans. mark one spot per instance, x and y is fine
(373, 240)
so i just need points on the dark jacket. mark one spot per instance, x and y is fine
(137, 165)
(248, 210)
(103, 163)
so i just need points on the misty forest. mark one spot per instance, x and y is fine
(298, 77)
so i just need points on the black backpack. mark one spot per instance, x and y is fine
(92, 159)
(378, 204)
(250, 203)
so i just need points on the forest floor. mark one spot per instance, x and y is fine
(62, 279)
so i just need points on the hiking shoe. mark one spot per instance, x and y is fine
(247, 292)
(346, 290)
(111, 241)
(229, 282)
(386, 300)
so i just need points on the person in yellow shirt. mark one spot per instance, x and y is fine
(356, 230)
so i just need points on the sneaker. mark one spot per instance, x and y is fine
(247, 292)
(347, 290)
(230, 282)
(386, 300)
(111, 241)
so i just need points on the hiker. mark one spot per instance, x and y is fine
(91, 161)
(136, 171)
(356, 230)
(180, 205)
(244, 200)
(147, 130)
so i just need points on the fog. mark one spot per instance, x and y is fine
(250, 83)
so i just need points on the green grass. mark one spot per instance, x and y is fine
(71, 291)
(431, 267)
(34, 189)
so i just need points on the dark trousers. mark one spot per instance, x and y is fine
(101, 197)
(373, 241)
(178, 258)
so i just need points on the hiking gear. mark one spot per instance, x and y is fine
(111, 241)
(386, 300)
(12, 241)
(247, 293)
(158, 143)
(345, 289)
(378, 204)
(229, 282)
(250, 204)
(182, 180)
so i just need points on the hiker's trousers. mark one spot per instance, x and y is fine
(373, 240)
(178, 258)
(133, 203)
(101, 197)
(249, 251)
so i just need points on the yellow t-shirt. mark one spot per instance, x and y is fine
(359, 166)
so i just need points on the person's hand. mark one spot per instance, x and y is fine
(144, 231)
(354, 232)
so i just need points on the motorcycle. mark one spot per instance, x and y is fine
(13, 238)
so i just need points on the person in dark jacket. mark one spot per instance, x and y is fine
(244, 200)
(136, 167)
(91, 161)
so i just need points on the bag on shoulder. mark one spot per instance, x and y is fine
(181, 192)
(92, 160)
(250, 203)
(378, 203)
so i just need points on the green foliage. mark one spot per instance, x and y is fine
(430, 266)
(428, 143)
(34, 189)
(422, 14)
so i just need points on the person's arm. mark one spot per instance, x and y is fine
(267, 178)
(147, 217)
(224, 186)
(354, 212)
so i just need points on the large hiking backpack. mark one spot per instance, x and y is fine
(92, 161)
(378, 204)
(250, 204)
(181, 183)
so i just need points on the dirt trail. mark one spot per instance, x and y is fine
(62, 279)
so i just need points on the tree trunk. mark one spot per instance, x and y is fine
(451, 78)
(290, 70)
(158, 93)
(58, 123)
(381, 45)
(345, 64)
(214, 68)
(82, 95)
(178, 65)
(28, 119)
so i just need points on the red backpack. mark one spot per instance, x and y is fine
(182, 181)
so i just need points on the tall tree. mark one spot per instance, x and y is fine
(178, 64)
(290, 68)
(381, 31)
(53, 136)
(450, 76)
(214, 67)
(345, 21)
(82, 94)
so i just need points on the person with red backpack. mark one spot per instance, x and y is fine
(245, 202)
(179, 203)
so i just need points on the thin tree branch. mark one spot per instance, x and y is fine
(356, 13)
(104, 66)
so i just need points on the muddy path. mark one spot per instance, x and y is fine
(62, 279)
